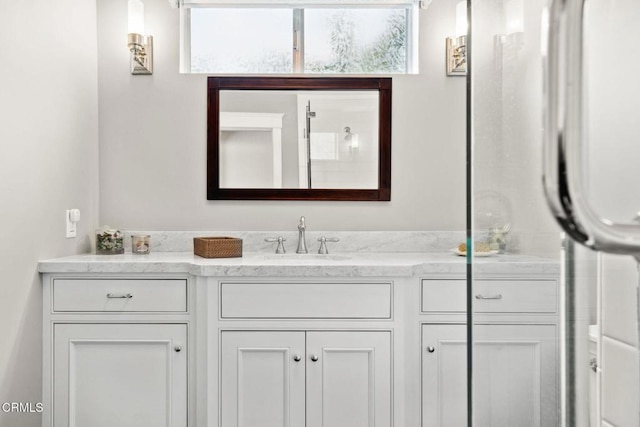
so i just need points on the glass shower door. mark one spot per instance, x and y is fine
(517, 259)
(553, 325)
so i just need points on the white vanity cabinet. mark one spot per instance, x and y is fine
(305, 378)
(515, 355)
(305, 353)
(376, 340)
(115, 352)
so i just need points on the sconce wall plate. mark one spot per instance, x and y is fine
(457, 56)
(141, 51)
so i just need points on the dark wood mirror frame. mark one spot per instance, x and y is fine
(216, 84)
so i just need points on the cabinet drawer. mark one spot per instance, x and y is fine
(306, 300)
(125, 295)
(491, 296)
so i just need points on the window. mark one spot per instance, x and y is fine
(313, 37)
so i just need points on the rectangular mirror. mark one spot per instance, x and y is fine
(299, 138)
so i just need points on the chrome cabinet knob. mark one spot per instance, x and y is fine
(314, 358)
(297, 358)
(431, 349)
(177, 348)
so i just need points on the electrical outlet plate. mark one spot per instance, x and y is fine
(71, 225)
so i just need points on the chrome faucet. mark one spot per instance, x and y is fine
(302, 241)
(280, 249)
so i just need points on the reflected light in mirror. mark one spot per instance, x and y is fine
(352, 138)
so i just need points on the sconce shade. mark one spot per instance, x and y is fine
(136, 17)
(457, 47)
(140, 45)
(514, 16)
(461, 19)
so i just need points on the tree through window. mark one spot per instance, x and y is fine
(313, 40)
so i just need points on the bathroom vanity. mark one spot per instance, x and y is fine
(349, 339)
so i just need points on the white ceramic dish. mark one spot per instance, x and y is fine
(477, 254)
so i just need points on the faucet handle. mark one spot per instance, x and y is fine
(323, 244)
(280, 249)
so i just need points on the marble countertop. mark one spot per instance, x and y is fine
(373, 264)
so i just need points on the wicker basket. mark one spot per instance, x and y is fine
(217, 247)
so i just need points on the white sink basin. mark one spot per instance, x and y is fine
(306, 257)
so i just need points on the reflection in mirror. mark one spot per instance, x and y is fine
(299, 138)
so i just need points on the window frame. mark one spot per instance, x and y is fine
(411, 8)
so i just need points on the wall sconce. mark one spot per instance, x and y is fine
(457, 49)
(140, 46)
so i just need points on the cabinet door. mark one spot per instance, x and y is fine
(120, 375)
(515, 376)
(262, 379)
(444, 376)
(348, 379)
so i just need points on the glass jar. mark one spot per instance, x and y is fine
(140, 244)
(109, 242)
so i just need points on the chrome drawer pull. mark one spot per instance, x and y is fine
(480, 296)
(128, 296)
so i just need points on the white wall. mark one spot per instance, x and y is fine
(160, 121)
(48, 163)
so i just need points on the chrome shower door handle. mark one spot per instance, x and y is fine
(564, 136)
